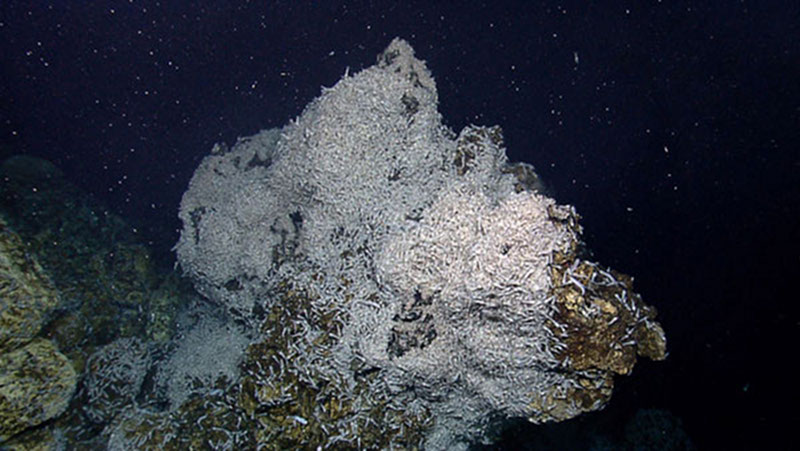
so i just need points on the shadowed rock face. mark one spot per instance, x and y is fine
(36, 384)
(26, 293)
(72, 278)
(400, 273)
(36, 380)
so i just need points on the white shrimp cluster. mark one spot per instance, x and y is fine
(474, 274)
(421, 240)
(114, 377)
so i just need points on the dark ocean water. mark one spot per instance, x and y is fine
(672, 127)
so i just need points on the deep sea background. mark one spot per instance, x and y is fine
(672, 126)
